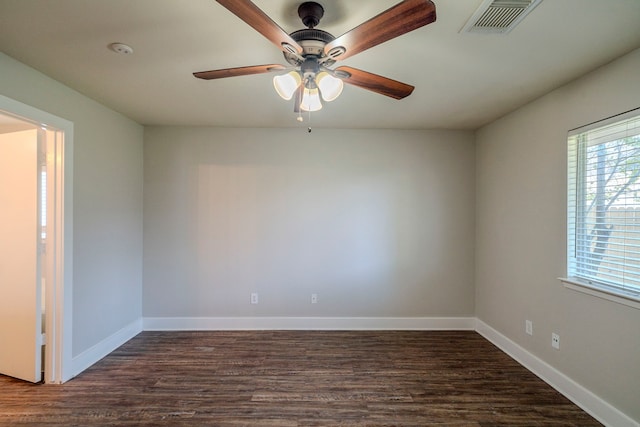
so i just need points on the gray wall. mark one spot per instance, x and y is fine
(521, 238)
(107, 209)
(377, 223)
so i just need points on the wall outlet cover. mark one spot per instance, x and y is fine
(528, 327)
(555, 341)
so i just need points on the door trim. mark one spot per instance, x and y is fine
(58, 306)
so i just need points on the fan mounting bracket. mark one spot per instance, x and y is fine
(336, 51)
(310, 12)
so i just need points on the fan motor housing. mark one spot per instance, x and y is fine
(312, 42)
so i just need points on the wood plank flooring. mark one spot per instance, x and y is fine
(296, 378)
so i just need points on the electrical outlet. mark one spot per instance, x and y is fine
(314, 298)
(254, 298)
(528, 327)
(555, 341)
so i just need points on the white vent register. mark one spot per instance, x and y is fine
(499, 16)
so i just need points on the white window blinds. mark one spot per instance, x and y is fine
(604, 204)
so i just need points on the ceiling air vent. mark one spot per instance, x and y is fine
(499, 16)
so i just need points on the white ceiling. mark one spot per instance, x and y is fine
(462, 80)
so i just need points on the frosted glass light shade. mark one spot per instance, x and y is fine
(287, 84)
(310, 100)
(330, 87)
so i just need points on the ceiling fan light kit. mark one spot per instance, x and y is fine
(311, 51)
(287, 84)
(310, 100)
(330, 87)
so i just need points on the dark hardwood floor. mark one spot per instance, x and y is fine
(296, 378)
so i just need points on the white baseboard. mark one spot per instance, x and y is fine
(589, 402)
(93, 354)
(307, 323)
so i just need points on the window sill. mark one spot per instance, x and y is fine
(628, 299)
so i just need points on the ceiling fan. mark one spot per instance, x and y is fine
(311, 51)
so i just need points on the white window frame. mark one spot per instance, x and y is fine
(578, 278)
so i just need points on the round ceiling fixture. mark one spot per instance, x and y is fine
(121, 48)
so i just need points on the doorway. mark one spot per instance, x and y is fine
(37, 191)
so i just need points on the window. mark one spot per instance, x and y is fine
(604, 205)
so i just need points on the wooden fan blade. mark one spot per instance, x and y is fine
(400, 19)
(239, 71)
(260, 21)
(375, 83)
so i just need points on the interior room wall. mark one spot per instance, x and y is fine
(521, 238)
(377, 223)
(107, 209)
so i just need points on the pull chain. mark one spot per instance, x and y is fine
(300, 119)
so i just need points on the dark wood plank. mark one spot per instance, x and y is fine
(296, 378)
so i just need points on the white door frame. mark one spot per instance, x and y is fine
(58, 305)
